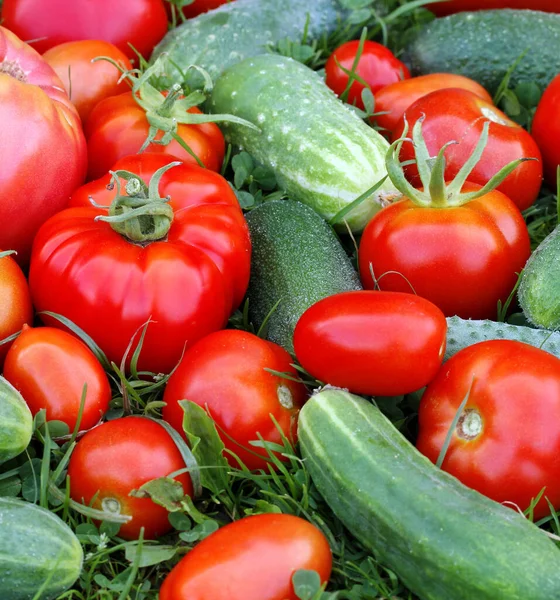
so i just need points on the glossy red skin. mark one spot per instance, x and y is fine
(453, 6)
(394, 99)
(372, 342)
(117, 127)
(215, 225)
(462, 259)
(15, 300)
(87, 82)
(59, 21)
(546, 129)
(50, 368)
(198, 7)
(250, 559)
(377, 66)
(454, 114)
(36, 181)
(120, 456)
(225, 371)
(516, 391)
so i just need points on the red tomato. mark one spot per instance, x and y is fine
(546, 129)
(36, 181)
(120, 456)
(216, 226)
(338, 339)
(506, 443)
(243, 396)
(50, 367)
(251, 559)
(463, 259)
(88, 82)
(377, 66)
(57, 21)
(455, 114)
(453, 6)
(199, 6)
(15, 301)
(117, 127)
(395, 98)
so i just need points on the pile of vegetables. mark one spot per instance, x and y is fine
(279, 300)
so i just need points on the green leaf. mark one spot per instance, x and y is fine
(57, 429)
(265, 178)
(307, 584)
(245, 199)
(528, 93)
(164, 491)
(243, 166)
(200, 531)
(109, 529)
(263, 507)
(180, 521)
(10, 487)
(150, 555)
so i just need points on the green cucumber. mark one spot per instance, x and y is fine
(322, 153)
(297, 260)
(484, 44)
(16, 422)
(219, 38)
(444, 540)
(38, 551)
(466, 332)
(539, 289)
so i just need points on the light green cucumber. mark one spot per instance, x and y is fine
(16, 422)
(484, 44)
(442, 539)
(37, 551)
(322, 153)
(297, 260)
(539, 289)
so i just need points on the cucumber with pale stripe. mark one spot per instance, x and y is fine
(16, 422)
(322, 153)
(444, 540)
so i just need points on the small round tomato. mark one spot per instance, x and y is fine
(454, 6)
(250, 559)
(459, 115)
(376, 343)
(377, 67)
(546, 129)
(87, 82)
(243, 396)
(15, 301)
(120, 456)
(117, 127)
(392, 100)
(197, 7)
(57, 21)
(506, 443)
(50, 368)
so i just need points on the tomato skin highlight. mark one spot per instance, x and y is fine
(243, 396)
(50, 367)
(120, 456)
(377, 66)
(463, 259)
(372, 342)
(515, 390)
(250, 559)
(87, 82)
(545, 129)
(456, 114)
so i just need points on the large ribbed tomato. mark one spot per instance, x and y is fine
(546, 129)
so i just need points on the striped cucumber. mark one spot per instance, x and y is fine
(322, 153)
(444, 540)
(16, 422)
(296, 261)
(37, 551)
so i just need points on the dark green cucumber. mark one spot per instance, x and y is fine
(539, 289)
(484, 44)
(321, 152)
(16, 422)
(36, 549)
(444, 540)
(297, 260)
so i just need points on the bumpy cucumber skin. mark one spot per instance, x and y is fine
(296, 260)
(35, 545)
(322, 153)
(16, 422)
(224, 36)
(539, 289)
(445, 541)
(484, 44)
(462, 333)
